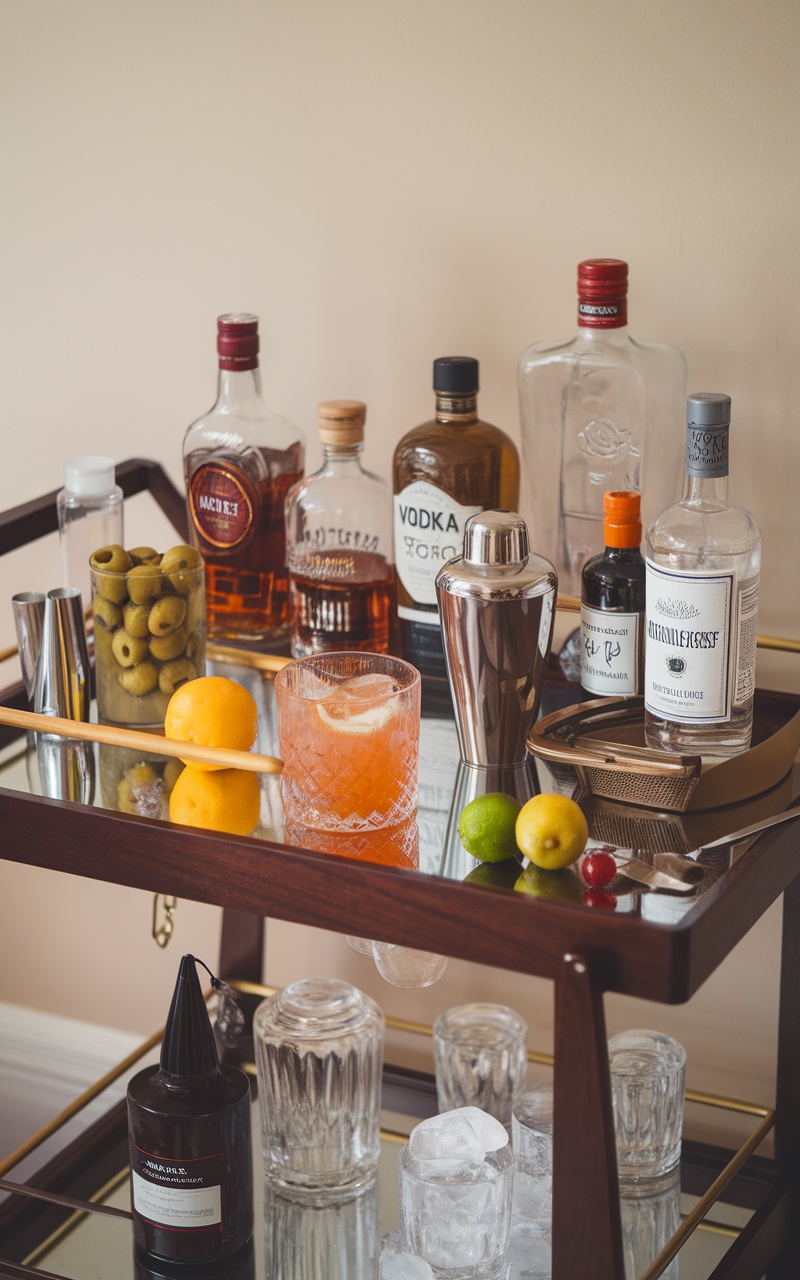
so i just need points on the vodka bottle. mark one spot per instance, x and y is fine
(599, 412)
(703, 563)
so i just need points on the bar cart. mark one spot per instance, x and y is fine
(584, 952)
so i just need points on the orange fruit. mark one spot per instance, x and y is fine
(213, 712)
(226, 800)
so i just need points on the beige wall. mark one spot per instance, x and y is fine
(384, 183)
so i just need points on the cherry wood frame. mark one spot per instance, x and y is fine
(584, 953)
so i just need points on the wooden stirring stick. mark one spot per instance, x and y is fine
(137, 740)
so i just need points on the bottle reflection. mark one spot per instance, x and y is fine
(242, 1266)
(648, 1222)
(337, 1242)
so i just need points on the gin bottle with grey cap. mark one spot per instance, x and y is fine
(703, 563)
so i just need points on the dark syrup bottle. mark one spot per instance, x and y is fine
(612, 604)
(189, 1136)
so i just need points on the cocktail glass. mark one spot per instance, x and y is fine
(348, 726)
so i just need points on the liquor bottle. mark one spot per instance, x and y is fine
(599, 412)
(612, 603)
(240, 460)
(703, 563)
(444, 472)
(339, 544)
(189, 1138)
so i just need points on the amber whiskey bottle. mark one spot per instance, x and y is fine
(444, 472)
(189, 1137)
(612, 603)
(240, 460)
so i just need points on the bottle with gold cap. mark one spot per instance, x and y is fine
(339, 544)
(612, 603)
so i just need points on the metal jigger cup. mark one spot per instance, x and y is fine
(28, 609)
(62, 686)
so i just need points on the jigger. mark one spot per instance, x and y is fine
(28, 607)
(62, 685)
(496, 603)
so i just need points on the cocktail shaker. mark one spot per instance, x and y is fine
(496, 603)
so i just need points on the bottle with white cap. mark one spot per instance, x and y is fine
(89, 516)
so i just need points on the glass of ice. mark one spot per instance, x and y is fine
(648, 1081)
(348, 726)
(456, 1177)
(480, 1051)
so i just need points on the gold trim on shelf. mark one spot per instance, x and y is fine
(267, 662)
(45, 1246)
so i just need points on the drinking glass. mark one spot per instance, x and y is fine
(319, 1055)
(348, 727)
(648, 1080)
(480, 1051)
(532, 1141)
(456, 1211)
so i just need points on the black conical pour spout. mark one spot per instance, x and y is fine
(188, 1047)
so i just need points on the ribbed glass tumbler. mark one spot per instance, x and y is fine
(481, 1056)
(648, 1081)
(319, 1054)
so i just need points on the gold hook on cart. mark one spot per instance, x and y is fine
(163, 932)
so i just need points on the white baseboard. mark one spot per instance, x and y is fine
(46, 1061)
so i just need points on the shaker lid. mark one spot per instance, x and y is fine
(496, 538)
(188, 1047)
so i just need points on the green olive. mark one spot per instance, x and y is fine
(182, 567)
(128, 649)
(109, 586)
(125, 800)
(166, 615)
(135, 616)
(195, 649)
(140, 680)
(172, 771)
(111, 559)
(103, 640)
(196, 609)
(173, 674)
(144, 584)
(186, 557)
(144, 555)
(106, 613)
(165, 648)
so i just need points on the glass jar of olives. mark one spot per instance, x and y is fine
(149, 630)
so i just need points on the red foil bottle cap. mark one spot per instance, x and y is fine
(602, 293)
(237, 341)
(622, 523)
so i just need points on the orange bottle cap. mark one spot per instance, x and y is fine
(622, 525)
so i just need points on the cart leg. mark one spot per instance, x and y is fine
(587, 1234)
(787, 1117)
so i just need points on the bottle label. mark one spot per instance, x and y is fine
(428, 531)
(221, 505)
(746, 636)
(707, 451)
(688, 645)
(610, 646)
(183, 1195)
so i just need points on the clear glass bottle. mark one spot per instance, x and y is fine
(703, 565)
(612, 604)
(90, 516)
(339, 544)
(444, 472)
(240, 460)
(599, 412)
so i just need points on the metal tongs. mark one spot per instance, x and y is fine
(674, 873)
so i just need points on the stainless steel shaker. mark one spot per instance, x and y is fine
(496, 603)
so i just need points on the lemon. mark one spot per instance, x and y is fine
(552, 831)
(486, 827)
(555, 886)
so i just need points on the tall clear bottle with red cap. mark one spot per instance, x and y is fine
(600, 412)
(240, 460)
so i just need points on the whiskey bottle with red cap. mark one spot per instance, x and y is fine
(240, 460)
(600, 412)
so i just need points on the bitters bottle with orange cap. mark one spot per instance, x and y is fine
(339, 544)
(612, 603)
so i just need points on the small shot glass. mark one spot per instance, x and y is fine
(648, 1081)
(480, 1052)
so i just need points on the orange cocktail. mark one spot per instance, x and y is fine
(349, 738)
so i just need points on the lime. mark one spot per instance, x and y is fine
(486, 827)
(552, 830)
